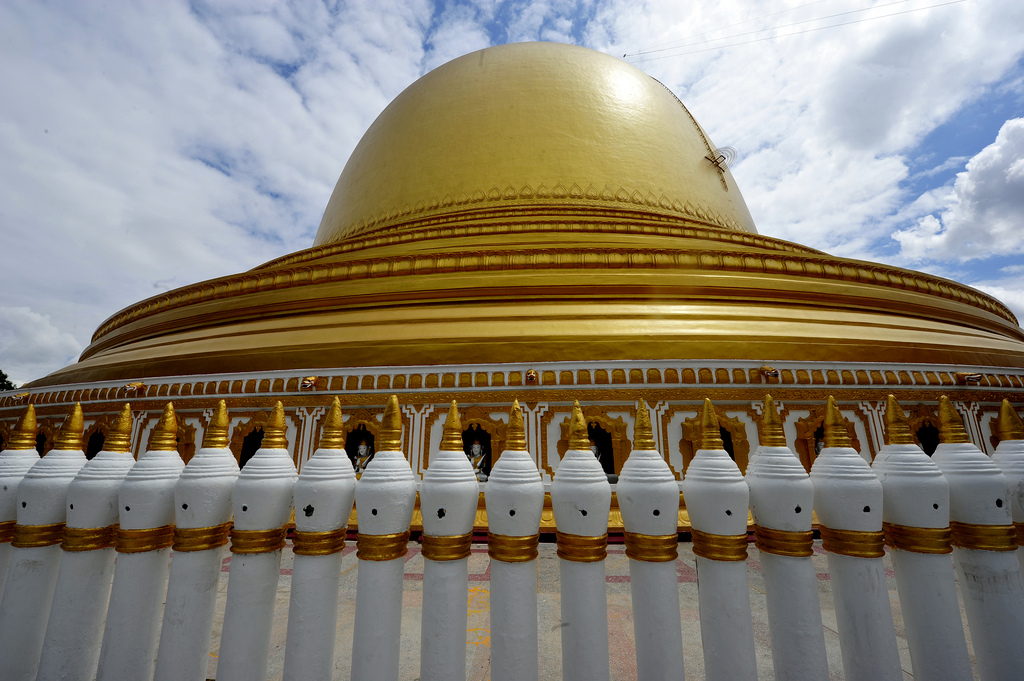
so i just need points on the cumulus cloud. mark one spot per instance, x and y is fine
(30, 345)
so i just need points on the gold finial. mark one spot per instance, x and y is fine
(451, 437)
(643, 434)
(119, 436)
(1010, 425)
(216, 434)
(836, 434)
(24, 434)
(70, 436)
(951, 426)
(274, 431)
(515, 439)
(772, 433)
(896, 424)
(710, 431)
(579, 437)
(165, 435)
(332, 432)
(390, 433)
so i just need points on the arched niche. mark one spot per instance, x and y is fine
(94, 437)
(732, 431)
(477, 420)
(810, 435)
(616, 428)
(362, 424)
(247, 436)
(923, 420)
(46, 435)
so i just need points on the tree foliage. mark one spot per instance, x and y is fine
(5, 383)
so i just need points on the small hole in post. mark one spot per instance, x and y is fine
(512, 511)
(71, 506)
(184, 507)
(245, 508)
(308, 510)
(867, 509)
(127, 508)
(24, 504)
(935, 506)
(798, 509)
(999, 503)
(583, 512)
(373, 511)
(440, 513)
(657, 512)
(728, 512)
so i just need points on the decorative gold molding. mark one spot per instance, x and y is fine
(690, 442)
(806, 427)
(616, 427)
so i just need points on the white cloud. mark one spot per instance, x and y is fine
(30, 345)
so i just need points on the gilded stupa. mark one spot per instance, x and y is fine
(545, 222)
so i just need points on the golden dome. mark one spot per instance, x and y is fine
(538, 126)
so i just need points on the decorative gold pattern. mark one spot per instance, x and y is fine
(578, 437)
(332, 432)
(951, 426)
(1010, 425)
(516, 440)
(23, 437)
(510, 549)
(201, 538)
(918, 539)
(274, 432)
(88, 538)
(389, 437)
(836, 434)
(7, 531)
(896, 424)
(643, 433)
(772, 433)
(165, 434)
(710, 435)
(451, 434)
(216, 434)
(579, 549)
(319, 543)
(854, 543)
(119, 435)
(1018, 529)
(140, 541)
(455, 547)
(783, 543)
(652, 548)
(70, 436)
(29, 536)
(257, 541)
(729, 547)
(984, 537)
(382, 547)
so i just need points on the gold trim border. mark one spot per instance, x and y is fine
(454, 547)
(509, 549)
(652, 548)
(201, 538)
(856, 543)
(89, 538)
(933, 540)
(141, 541)
(318, 543)
(727, 547)
(382, 547)
(32, 536)
(983, 537)
(580, 549)
(796, 544)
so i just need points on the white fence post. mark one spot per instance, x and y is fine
(143, 544)
(781, 500)
(448, 500)
(514, 496)
(581, 498)
(202, 512)
(1009, 456)
(848, 501)
(261, 503)
(35, 558)
(15, 461)
(984, 548)
(324, 494)
(385, 497)
(717, 499)
(71, 648)
(916, 515)
(649, 500)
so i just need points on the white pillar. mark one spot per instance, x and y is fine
(916, 514)
(71, 648)
(143, 545)
(514, 496)
(262, 503)
(581, 498)
(717, 499)
(649, 500)
(323, 502)
(448, 500)
(848, 501)
(15, 461)
(35, 555)
(202, 514)
(1009, 456)
(385, 497)
(984, 549)
(781, 500)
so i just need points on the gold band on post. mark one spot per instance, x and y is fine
(854, 543)
(578, 549)
(6, 531)
(201, 538)
(784, 543)
(1018, 527)
(719, 546)
(651, 548)
(512, 549)
(89, 538)
(140, 541)
(984, 537)
(319, 543)
(454, 547)
(257, 541)
(382, 547)
(918, 539)
(31, 536)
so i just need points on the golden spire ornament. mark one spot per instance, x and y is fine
(710, 431)
(772, 433)
(332, 432)
(23, 436)
(70, 436)
(451, 437)
(896, 426)
(643, 433)
(579, 436)
(515, 439)
(119, 437)
(1010, 425)
(165, 435)
(836, 434)
(951, 426)
(274, 431)
(216, 434)
(390, 433)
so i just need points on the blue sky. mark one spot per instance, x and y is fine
(147, 146)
